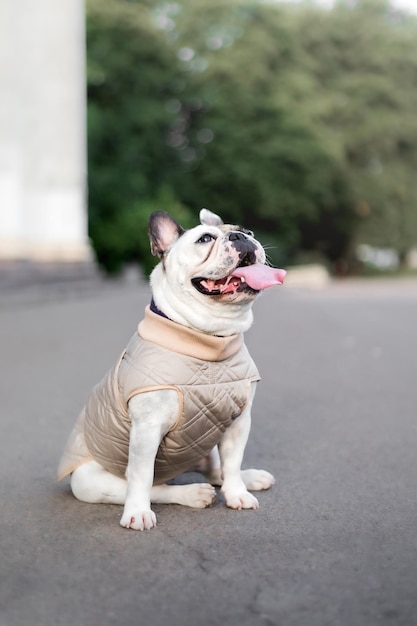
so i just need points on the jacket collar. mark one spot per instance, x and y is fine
(162, 331)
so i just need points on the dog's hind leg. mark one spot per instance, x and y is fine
(92, 483)
(257, 480)
(254, 479)
(210, 467)
(197, 495)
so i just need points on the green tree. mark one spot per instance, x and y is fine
(296, 120)
(131, 81)
(249, 150)
(363, 58)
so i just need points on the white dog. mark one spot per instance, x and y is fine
(184, 384)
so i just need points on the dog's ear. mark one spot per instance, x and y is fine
(163, 230)
(210, 219)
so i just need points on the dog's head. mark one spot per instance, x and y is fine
(209, 275)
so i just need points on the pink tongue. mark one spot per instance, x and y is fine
(260, 276)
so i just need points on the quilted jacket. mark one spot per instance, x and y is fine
(211, 375)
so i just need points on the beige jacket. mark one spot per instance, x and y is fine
(211, 375)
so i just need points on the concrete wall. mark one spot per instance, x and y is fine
(43, 215)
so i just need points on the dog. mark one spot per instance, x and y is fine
(182, 390)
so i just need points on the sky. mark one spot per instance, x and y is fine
(409, 5)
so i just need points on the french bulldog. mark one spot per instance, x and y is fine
(181, 393)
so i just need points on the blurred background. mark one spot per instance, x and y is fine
(296, 119)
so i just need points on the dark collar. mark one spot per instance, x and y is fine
(155, 309)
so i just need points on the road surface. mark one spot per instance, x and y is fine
(334, 541)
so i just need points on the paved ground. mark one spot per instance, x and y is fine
(334, 542)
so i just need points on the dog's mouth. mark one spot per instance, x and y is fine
(248, 277)
(227, 285)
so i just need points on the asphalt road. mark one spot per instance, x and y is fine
(333, 543)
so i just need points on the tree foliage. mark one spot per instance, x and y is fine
(131, 78)
(298, 121)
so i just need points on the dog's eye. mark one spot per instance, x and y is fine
(206, 238)
(248, 232)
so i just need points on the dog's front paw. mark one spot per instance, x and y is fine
(138, 520)
(257, 480)
(241, 500)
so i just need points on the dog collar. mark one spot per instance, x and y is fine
(155, 309)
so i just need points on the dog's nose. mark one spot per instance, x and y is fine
(237, 236)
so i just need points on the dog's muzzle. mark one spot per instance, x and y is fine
(249, 276)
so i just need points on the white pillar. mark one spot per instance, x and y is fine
(43, 214)
(11, 244)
